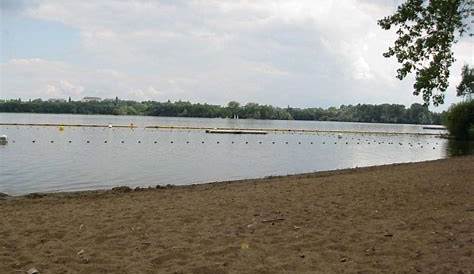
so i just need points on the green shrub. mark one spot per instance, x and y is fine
(460, 120)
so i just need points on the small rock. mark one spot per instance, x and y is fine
(35, 195)
(343, 260)
(121, 189)
(32, 271)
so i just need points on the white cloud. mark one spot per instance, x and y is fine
(304, 53)
(149, 93)
(63, 88)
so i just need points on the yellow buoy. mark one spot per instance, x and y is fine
(61, 128)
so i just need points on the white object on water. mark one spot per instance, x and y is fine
(3, 140)
(110, 126)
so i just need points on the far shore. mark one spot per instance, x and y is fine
(400, 218)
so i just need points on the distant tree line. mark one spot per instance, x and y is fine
(384, 113)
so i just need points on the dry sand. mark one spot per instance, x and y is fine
(404, 218)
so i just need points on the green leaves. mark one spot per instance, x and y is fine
(426, 33)
(466, 87)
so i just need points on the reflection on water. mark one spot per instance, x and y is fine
(459, 148)
(49, 159)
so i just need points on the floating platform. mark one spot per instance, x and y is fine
(435, 128)
(235, 131)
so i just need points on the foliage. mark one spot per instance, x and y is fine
(466, 87)
(426, 32)
(460, 120)
(385, 113)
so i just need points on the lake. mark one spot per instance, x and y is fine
(45, 159)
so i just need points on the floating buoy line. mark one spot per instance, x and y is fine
(220, 130)
(358, 143)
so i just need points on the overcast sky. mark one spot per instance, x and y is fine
(302, 53)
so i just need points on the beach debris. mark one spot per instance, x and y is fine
(387, 234)
(81, 226)
(32, 271)
(297, 227)
(3, 140)
(343, 259)
(251, 225)
(81, 254)
(370, 251)
(121, 189)
(244, 246)
(273, 220)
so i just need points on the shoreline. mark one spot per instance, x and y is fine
(127, 189)
(399, 218)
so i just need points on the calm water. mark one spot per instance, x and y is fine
(97, 158)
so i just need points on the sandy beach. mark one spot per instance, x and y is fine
(405, 218)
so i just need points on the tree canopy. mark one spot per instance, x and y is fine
(427, 30)
(384, 113)
(466, 87)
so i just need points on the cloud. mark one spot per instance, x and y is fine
(150, 93)
(16, 6)
(63, 88)
(302, 53)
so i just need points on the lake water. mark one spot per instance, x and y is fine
(45, 159)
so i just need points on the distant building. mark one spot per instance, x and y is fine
(56, 100)
(91, 99)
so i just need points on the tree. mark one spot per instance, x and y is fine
(466, 87)
(233, 108)
(427, 30)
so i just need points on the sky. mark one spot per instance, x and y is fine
(301, 53)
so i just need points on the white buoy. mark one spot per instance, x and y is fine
(3, 140)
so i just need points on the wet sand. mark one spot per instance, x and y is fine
(405, 218)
